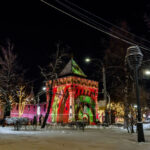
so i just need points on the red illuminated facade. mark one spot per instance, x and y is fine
(74, 98)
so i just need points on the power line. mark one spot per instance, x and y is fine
(88, 18)
(96, 23)
(105, 21)
(92, 26)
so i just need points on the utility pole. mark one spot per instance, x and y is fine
(38, 106)
(109, 108)
(104, 83)
(38, 101)
(105, 92)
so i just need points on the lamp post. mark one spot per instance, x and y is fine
(109, 108)
(147, 72)
(104, 75)
(134, 59)
(87, 60)
(38, 106)
(38, 100)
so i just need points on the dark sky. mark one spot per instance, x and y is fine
(35, 28)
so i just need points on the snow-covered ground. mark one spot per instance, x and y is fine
(93, 138)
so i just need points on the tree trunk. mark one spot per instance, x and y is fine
(49, 105)
(6, 112)
(132, 123)
(3, 123)
(126, 118)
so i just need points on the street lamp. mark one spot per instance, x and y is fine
(104, 77)
(87, 60)
(44, 88)
(109, 107)
(147, 72)
(38, 99)
(134, 59)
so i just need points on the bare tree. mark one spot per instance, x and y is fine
(8, 75)
(118, 77)
(147, 15)
(50, 74)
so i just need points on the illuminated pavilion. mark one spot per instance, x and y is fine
(74, 96)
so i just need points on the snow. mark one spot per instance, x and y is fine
(146, 126)
(93, 138)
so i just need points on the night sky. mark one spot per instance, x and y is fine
(35, 29)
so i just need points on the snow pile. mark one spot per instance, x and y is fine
(11, 120)
(146, 126)
(10, 130)
(14, 120)
(31, 131)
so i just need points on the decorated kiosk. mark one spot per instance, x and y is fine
(74, 96)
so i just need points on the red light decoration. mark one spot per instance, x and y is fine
(66, 91)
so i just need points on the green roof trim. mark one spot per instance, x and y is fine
(76, 69)
(72, 68)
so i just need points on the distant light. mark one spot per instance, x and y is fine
(38, 110)
(135, 106)
(87, 60)
(144, 115)
(147, 72)
(44, 88)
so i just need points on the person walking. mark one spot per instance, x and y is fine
(35, 122)
(40, 119)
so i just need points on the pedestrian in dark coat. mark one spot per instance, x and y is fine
(34, 122)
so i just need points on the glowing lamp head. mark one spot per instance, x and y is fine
(134, 57)
(44, 88)
(147, 72)
(87, 60)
